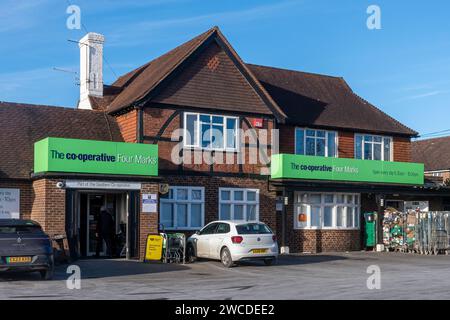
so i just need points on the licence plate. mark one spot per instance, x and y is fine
(259, 250)
(11, 260)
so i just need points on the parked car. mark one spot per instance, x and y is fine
(232, 242)
(25, 247)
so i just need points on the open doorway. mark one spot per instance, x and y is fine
(83, 218)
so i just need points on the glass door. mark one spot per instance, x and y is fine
(95, 202)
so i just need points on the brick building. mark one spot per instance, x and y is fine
(324, 155)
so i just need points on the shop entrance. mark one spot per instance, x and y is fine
(86, 224)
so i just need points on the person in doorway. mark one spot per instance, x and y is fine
(105, 232)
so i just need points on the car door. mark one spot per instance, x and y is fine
(203, 240)
(216, 240)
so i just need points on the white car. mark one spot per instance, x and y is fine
(233, 241)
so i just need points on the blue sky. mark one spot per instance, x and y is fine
(404, 68)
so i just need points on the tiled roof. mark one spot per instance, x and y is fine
(320, 100)
(434, 153)
(24, 124)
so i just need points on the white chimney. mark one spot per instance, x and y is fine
(91, 68)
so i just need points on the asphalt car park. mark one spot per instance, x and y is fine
(322, 276)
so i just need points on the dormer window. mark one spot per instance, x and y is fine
(211, 132)
(311, 142)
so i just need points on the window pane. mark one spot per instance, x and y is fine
(356, 219)
(191, 129)
(349, 198)
(170, 196)
(310, 147)
(302, 216)
(196, 215)
(182, 215)
(387, 149)
(205, 118)
(315, 216)
(314, 198)
(196, 194)
(217, 120)
(251, 212)
(167, 215)
(340, 217)
(225, 195)
(328, 217)
(310, 133)
(377, 139)
(367, 151)
(340, 198)
(320, 147)
(206, 135)
(251, 196)
(231, 133)
(320, 134)
(182, 194)
(368, 138)
(217, 137)
(331, 144)
(239, 195)
(350, 216)
(358, 147)
(238, 212)
(377, 151)
(329, 198)
(225, 212)
(299, 141)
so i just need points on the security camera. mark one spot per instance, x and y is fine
(60, 185)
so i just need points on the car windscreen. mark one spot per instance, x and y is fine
(253, 228)
(20, 229)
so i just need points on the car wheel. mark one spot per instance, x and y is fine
(225, 257)
(191, 254)
(268, 262)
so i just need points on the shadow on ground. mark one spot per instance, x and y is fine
(98, 268)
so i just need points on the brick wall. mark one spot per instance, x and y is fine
(267, 198)
(26, 196)
(155, 119)
(49, 206)
(128, 125)
(148, 222)
(402, 149)
(315, 241)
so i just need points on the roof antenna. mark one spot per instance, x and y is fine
(76, 76)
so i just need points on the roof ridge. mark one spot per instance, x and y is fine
(32, 105)
(433, 138)
(297, 71)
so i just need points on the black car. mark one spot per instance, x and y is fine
(25, 247)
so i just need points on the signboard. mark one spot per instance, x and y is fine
(89, 156)
(257, 123)
(9, 203)
(149, 202)
(290, 166)
(154, 247)
(105, 185)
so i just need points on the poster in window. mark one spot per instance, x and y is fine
(9, 203)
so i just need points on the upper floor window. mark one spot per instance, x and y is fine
(312, 142)
(211, 131)
(370, 147)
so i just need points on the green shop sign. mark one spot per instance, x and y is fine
(291, 166)
(89, 156)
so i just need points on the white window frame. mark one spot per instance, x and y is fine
(391, 146)
(232, 202)
(189, 201)
(336, 140)
(356, 206)
(198, 145)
